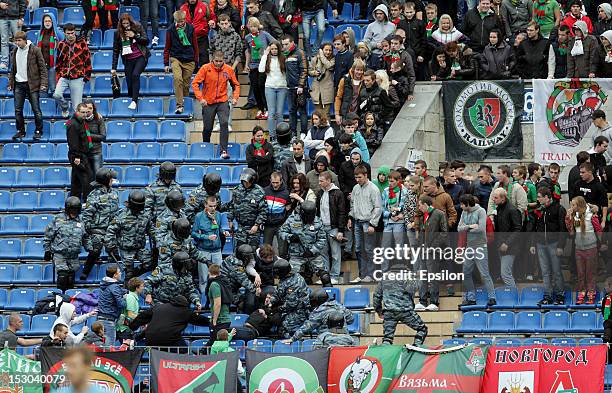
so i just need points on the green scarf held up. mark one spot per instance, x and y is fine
(183, 37)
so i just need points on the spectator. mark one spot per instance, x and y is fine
(388, 115)
(552, 182)
(277, 204)
(597, 155)
(320, 165)
(592, 190)
(297, 83)
(382, 178)
(463, 64)
(431, 19)
(415, 34)
(256, 42)
(260, 156)
(322, 70)
(498, 58)
(605, 58)
(72, 70)
(377, 31)
(297, 163)
(547, 15)
(350, 126)
(49, 37)
(334, 154)
(11, 21)
(135, 287)
(420, 168)
(374, 99)
(516, 193)
(574, 174)
(27, 78)
(343, 60)
(441, 200)
(67, 316)
(213, 96)
(603, 128)
(574, 15)
(149, 11)
(314, 10)
(332, 212)
(414, 188)
(346, 175)
(267, 21)
(93, 8)
(505, 13)
(97, 130)
(473, 223)
(372, 134)
(315, 138)
(521, 12)
(393, 201)
(582, 61)
(198, 14)
(290, 17)
(57, 337)
(111, 302)
(180, 54)
(398, 54)
(478, 23)
(349, 90)
(273, 67)
(219, 297)
(519, 173)
(535, 56)
(604, 19)
(95, 337)
(451, 187)
(8, 337)
(459, 167)
(439, 66)
(225, 7)
(79, 145)
(561, 47)
(508, 223)
(300, 191)
(447, 32)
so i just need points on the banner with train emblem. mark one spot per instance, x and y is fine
(303, 372)
(562, 116)
(483, 120)
(363, 369)
(546, 369)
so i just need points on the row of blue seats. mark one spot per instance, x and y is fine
(102, 61)
(531, 322)
(516, 341)
(116, 131)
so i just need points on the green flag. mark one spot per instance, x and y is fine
(18, 373)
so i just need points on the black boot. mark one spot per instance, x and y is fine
(63, 281)
(325, 279)
(92, 258)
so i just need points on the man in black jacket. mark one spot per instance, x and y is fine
(331, 209)
(346, 174)
(598, 155)
(508, 223)
(533, 55)
(374, 99)
(267, 20)
(574, 174)
(297, 163)
(592, 190)
(478, 23)
(78, 146)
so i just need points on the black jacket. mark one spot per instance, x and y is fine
(497, 61)
(377, 101)
(16, 10)
(572, 178)
(97, 129)
(477, 29)
(262, 165)
(288, 169)
(532, 58)
(415, 35)
(346, 176)
(548, 225)
(508, 221)
(265, 270)
(77, 140)
(269, 23)
(560, 60)
(141, 40)
(337, 208)
(347, 94)
(231, 12)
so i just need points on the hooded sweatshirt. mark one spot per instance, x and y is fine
(48, 40)
(313, 175)
(582, 58)
(384, 170)
(111, 301)
(346, 175)
(570, 20)
(474, 215)
(65, 317)
(377, 31)
(605, 24)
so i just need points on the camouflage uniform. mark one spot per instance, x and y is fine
(317, 321)
(233, 270)
(163, 223)
(248, 208)
(197, 201)
(281, 154)
(156, 197)
(292, 299)
(336, 338)
(394, 299)
(312, 237)
(170, 245)
(101, 207)
(127, 234)
(165, 287)
(63, 238)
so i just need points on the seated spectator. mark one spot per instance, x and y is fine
(260, 156)
(447, 32)
(372, 134)
(535, 56)
(317, 134)
(478, 23)
(111, 302)
(463, 65)
(561, 47)
(96, 336)
(574, 15)
(604, 19)
(582, 61)
(9, 338)
(439, 66)
(497, 60)
(349, 89)
(58, 337)
(300, 191)
(321, 69)
(547, 15)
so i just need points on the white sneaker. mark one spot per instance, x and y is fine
(419, 307)
(132, 105)
(229, 128)
(217, 128)
(155, 41)
(432, 307)
(367, 279)
(318, 282)
(335, 281)
(356, 281)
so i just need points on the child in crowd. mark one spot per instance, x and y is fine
(372, 134)
(382, 178)
(95, 336)
(350, 127)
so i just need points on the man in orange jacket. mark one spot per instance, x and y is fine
(214, 77)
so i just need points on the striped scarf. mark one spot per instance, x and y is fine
(88, 134)
(393, 197)
(563, 47)
(259, 150)
(51, 48)
(429, 28)
(111, 5)
(94, 5)
(539, 11)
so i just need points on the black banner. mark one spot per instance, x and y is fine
(483, 120)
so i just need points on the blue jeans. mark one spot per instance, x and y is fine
(214, 257)
(110, 332)
(483, 268)
(332, 255)
(76, 92)
(393, 233)
(22, 91)
(551, 269)
(149, 9)
(293, 113)
(319, 17)
(8, 28)
(51, 89)
(364, 248)
(275, 97)
(96, 161)
(507, 262)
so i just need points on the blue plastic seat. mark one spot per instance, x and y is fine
(58, 132)
(585, 305)
(454, 342)
(41, 152)
(148, 152)
(590, 341)
(198, 344)
(500, 322)
(506, 297)
(8, 109)
(225, 195)
(481, 301)
(3, 298)
(535, 341)
(136, 176)
(76, 291)
(38, 224)
(7, 273)
(33, 249)
(187, 108)
(190, 175)
(38, 14)
(14, 224)
(530, 296)
(564, 342)
(14, 152)
(7, 130)
(355, 327)
(102, 106)
(92, 277)
(481, 341)
(21, 300)
(48, 108)
(156, 61)
(172, 131)
(51, 200)
(236, 171)
(528, 322)
(334, 293)
(328, 35)
(222, 170)
(120, 108)
(233, 149)
(240, 347)
(7, 177)
(102, 86)
(568, 302)
(48, 274)
(281, 347)
(44, 292)
(109, 37)
(583, 322)
(144, 131)
(31, 127)
(118, 131)
(61, 153)
(143, 84)
(5, 201)
(42, 324)
(101, 61)
(508, 342)
(238, 320)
(161, 85)
(28, 274)
(473, 322)
(132, 10)
(74, 15)
(357, 298)
(96, 39)
(174, 152)
(28, 177)
(24, 201)
(201, 152)
(261, 345)
(4, 82)
(56, 176)
(556, 322)
(120, 152)
(151, 107)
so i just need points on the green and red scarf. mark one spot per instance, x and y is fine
(563, 47)
(539, 11)
(183, 36)
(259, 150)
(556, 191)
(426, 216)
(88, 134)
(393, 194)
(94, 5)
(255, 46)
(429, 28)
(51, 48)
(111, 5)
(607, 307)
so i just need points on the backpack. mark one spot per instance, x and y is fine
(50, 304)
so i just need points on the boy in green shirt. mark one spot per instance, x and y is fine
(135, 287)
(219, 303)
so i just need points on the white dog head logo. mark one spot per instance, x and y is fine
(360, 370)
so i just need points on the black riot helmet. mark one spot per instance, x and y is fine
(167, 172)
(308, 211)
(318, 297)
(181, 228)
(248, 175)
(245, 254)
(175, 200)
(105, 176)
(136, 201)
(212, 183)
(181, 261)
(282, 268)
(283, 133)
(72, 206)
(335, 319)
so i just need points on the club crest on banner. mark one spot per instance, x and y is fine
(362, 376)
(284, 374)
(476, 363)
(516, 382)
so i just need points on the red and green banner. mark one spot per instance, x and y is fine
(302, 372)
(363, 369)
(111, 371)
(545, 369)
(173, 373)
(18, 373)
(442, 369)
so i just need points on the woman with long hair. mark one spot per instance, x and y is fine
(322, 71)
(256, 43)
(334, 155)
(388, 114)
(272, 65)
(131, 44)
(347, 95)
(414, 189)
(446, 32)
(372, 134)
(48, 37)
(317, 134)
(97, 129)
(260, 156)
(299, 191)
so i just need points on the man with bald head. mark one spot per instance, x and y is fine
(508, 222)
(8, 337)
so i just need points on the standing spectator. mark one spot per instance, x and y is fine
(8, 337)
(131, 43)
(447, 32)
(498, 58)
(97, 130)
(561, 47)
(604, 19)
(343, 59)
(315, 138)
(376, 100)
(508, 223)
(214, 78)
(441, 200)
(135, 287)
(300, 191)
(149, 11)
(198, 14)
(451, 187)
(592, 190)
(277, 204)
(289, 18)
(49, 37)
(335, 156)
(220, 297)
(377, 31)
(297, 163)
(267, 20)
(547, 15)
(574, 174)
(414, 186)
(597, 155)
(27, 78)
(73, 69)
(535, 56)
(372, 134)
(256, 42)
(393, 201)
(91, 9)
(111, 303)
(478, 23)
(297, 84)
(398, 54)
(79, 144)
(505, 13)
(415, 35)
(260, 156)
(314, 10)
(603, 128)
(322, 70)
(516, 193)
(332, 212)
(346, 174)
(582, 61)
(320, 165)
(574, 15)
(272, 66)
(431, 19)
(461, 62)
(180, 54)
(225, 7)
(605, 55)
(349, 90)
(11, 21)
(552, 182)
(364, 215)
(521, 13)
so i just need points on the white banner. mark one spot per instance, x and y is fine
(562, 116)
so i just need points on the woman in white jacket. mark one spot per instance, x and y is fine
(67, 316)
(315, 138)
(447, 32)
(272, 63)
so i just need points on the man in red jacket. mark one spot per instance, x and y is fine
(200, 16)
(574, 15)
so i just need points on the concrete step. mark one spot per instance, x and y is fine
(427, 317)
